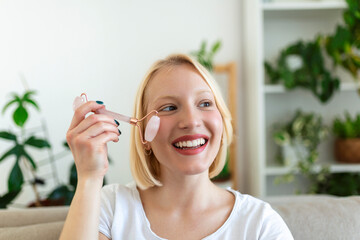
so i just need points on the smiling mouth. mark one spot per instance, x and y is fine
(191, 144)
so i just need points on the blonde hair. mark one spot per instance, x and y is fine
(145, 168)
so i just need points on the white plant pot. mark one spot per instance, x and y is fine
(294, 153)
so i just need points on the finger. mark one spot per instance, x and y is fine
(99, 128)
(81, 112)
(103, 138)
(85, 140)
(95, 119)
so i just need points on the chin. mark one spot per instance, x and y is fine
(195, 170)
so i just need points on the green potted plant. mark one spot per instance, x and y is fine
(302, 64)
(299, 140)
(18, 151)
(343, 46)
(347, 142)
(205, 56)
(339, 184)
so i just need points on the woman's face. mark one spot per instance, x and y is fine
(191, 126)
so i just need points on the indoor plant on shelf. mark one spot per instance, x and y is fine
(299, 140)
(347, 143)
(302, 64)
(339, 184)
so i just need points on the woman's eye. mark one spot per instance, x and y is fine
(168, 108)
(205, 104)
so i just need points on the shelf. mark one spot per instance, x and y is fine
(303, 5)
(277, 88)
(334, 168)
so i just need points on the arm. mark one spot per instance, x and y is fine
(87, 138)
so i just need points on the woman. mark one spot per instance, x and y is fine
(173, 197)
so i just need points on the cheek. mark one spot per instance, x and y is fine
(215, 123)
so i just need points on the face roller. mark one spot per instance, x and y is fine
(152, 126)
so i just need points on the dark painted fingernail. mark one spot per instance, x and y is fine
(100, 102)
(119, 131)
(117, 123)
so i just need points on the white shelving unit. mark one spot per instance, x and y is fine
(268, 28)
(335, 168)
(277, 88)
(300, 6)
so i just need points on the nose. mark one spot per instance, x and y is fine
(190, 118)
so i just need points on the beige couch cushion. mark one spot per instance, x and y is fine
(30, 216)
(41, 231)
(32, 223)
(320, 217)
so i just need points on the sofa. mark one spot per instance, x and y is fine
(32, 223)
(308, 218)
(320, 217)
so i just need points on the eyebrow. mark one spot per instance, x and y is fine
(177, 97)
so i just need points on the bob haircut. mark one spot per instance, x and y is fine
(145, 168)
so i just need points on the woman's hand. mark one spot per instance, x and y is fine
(87, 138)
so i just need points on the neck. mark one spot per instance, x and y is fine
(193, 192)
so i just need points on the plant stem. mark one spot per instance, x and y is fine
(31, 170)
(33, 185)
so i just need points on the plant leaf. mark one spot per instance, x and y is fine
(28, 157)
(216, 47)
(12, 151)
(62, 192)
(7, 198)
(9, 104)
(28, 94)
(202, 48)
(73, 176)
(8, 135)
(59, 192)
(20, 116)
(66, 145)
(37, 142)
(28, 100)
(16, 178)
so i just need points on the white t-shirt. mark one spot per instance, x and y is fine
(122, 217)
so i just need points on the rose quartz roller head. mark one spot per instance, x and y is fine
(152, 126)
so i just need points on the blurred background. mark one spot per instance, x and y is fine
(61, 49)
(291, 70)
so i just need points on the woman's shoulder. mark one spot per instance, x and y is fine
(258, 214)
(119, 191)
(249, 205)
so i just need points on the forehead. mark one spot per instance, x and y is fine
(176, 80)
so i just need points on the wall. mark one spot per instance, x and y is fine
(103, 48)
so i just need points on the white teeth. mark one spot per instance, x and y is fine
(189, 144)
